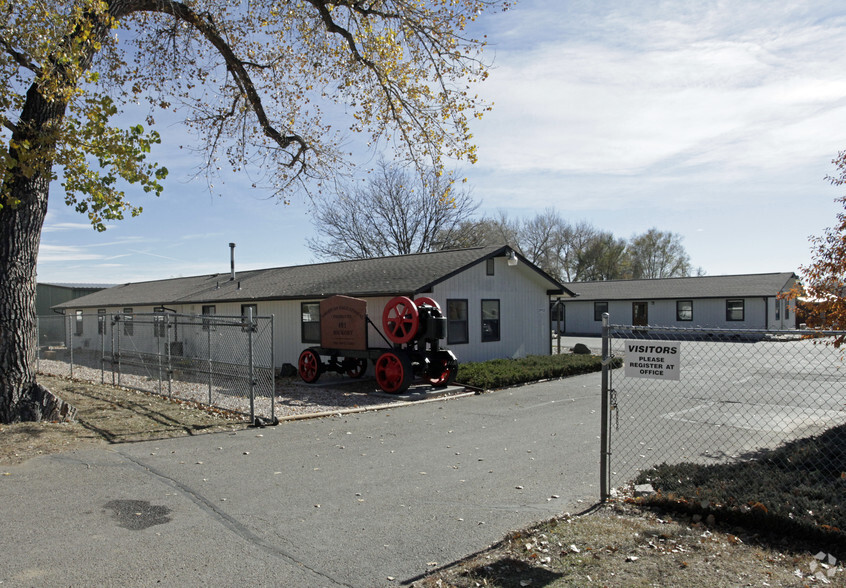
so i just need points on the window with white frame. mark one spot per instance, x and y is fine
(490, 320)
(457, 325)
(310, 325)
(159, 326)
(735, 309)
(249, 312)
(684, 310)
(128, 325)
(208, 310)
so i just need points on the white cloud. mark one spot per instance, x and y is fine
(56, 253)
(675, 96)
(57, 227)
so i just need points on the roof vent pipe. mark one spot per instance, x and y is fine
(232, 262)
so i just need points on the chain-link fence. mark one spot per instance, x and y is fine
(222, 361)
(709, 396)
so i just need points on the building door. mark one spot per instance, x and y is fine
(640, 314)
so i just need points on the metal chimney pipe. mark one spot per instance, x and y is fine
(232, 261)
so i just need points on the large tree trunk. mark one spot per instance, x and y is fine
(25, 190)
(21, 220)
(20, 231)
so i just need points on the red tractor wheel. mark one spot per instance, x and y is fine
(418, 302)
(355, 367)
(441, 373)
(442, 368)
(393, 372)
(400, 319)
(309, 366)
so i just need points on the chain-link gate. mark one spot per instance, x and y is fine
(222, 361)
(713, 395)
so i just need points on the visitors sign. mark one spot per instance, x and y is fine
(652, 359)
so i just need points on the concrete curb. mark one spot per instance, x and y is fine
(345, 411)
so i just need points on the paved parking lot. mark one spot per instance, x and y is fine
(732, 399)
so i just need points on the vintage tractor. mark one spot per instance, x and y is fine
(413, 328)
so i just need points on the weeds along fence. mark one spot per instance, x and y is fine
(709, 396)
(222, 361)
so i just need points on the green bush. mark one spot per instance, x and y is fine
(499, 373)
(799, 486)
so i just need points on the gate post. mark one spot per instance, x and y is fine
(209, 356)
(169, 372)
(116, 350)
(604, 452)
(70, 325)
(101, 328)
(252, 368)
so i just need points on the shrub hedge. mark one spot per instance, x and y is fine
(499, 373)
(799, 487)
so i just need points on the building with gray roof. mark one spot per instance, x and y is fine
(747, 301)
(495, 282)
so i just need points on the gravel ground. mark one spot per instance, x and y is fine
(294, 398)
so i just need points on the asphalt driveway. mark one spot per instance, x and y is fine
(371, 499)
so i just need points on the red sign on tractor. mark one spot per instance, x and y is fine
(343, 323)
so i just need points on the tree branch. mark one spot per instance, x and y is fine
(19, 57)
(238, 68)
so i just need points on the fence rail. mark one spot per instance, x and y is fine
(222, 361)
(729, 396)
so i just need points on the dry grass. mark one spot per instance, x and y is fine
(622, 545)
(108, 414)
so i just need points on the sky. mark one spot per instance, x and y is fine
(715, 120)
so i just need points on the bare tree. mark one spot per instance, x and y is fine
(658, 254)
(472, 233)
(604, 257)
(395, 213)
(579, 252)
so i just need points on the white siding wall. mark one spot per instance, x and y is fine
(523, 305)
(707, 312)
(90, 339)
(786, 314)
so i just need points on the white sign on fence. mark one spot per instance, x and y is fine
(653, 359)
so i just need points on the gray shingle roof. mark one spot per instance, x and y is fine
(383, 276)
(83, 286)
(743, 286)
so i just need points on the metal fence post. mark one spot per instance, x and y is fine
(272, 371)
(169, 345)
(101, 329)
(118, 351)
(72, 330)
(38, 344)
(250, 329)
(112, 328)
(209, 354)
(604, 444)
(158, 353)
